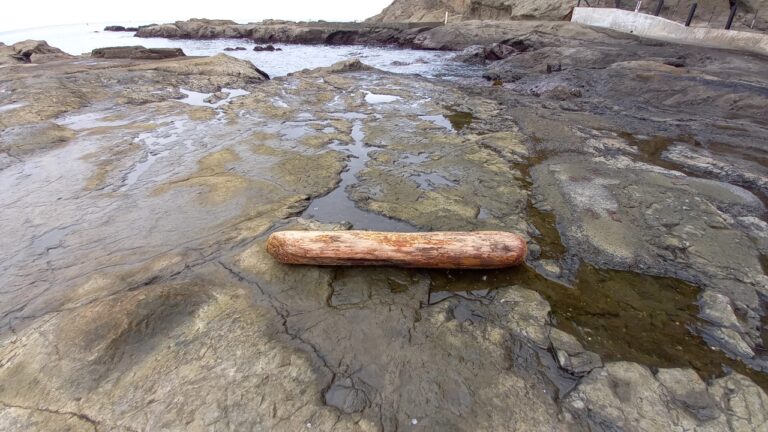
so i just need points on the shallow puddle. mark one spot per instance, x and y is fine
(439, 120)
(431, 181)
(653, 148)
(373, 98)
(157, 144)
(619, 315)
(199, 99)
(13, 106)
(460, 119)
(50, 239)
(90, 121)
(414, 159)
(337, 207)
(454, 122)
(549, 237)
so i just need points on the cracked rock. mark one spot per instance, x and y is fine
(346, 397)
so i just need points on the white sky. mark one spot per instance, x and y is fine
(19, 14)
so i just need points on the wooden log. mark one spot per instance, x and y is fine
(444, 250)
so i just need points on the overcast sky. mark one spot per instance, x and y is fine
(19, 14)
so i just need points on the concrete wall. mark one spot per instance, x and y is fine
(663, 29)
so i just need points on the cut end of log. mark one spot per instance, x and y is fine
(440, 250)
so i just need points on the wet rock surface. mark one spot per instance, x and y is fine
(138, 195)
(137, 53)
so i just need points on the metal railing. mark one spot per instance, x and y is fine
(690, 13)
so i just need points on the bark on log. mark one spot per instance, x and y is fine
(445, 250)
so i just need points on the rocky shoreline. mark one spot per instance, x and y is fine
(287, 32)
(142, 188)
(430, 36)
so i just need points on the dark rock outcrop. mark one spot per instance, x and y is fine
(269, 47)
(120, 29)
(455, 36)
(137, 53)
(270, 32)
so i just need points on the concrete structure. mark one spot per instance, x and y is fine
(663, 29)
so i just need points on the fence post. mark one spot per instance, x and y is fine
(658, 8)
(690, 15)
(730, 17)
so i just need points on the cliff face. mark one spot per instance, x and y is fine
(714, 12)
(434, 10)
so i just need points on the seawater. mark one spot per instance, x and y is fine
(83, 38)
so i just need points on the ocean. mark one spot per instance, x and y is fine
(83, 38)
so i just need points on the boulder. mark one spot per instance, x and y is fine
(471, 55)
(169, 31)
(269, 47)
(350, 65)
(197, 29)
(137, 53)
(30, 51)
(218, 65)
(499, 51)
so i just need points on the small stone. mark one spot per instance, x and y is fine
(550, 268)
